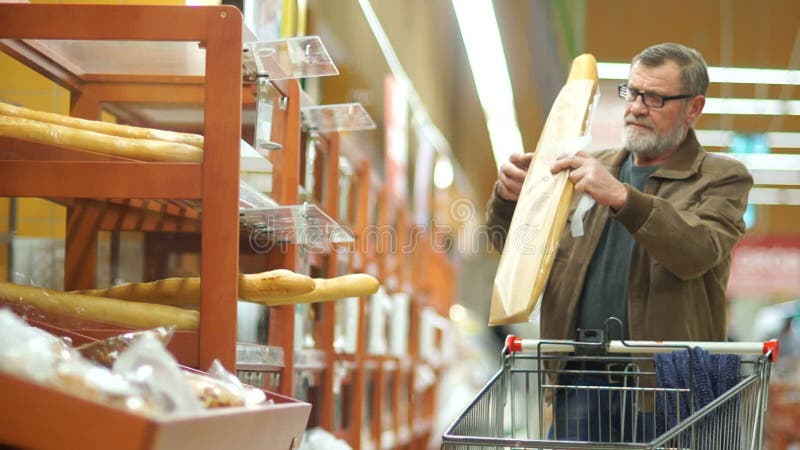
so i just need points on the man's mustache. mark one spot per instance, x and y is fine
(630, 119)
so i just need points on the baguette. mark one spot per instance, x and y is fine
(544, 201)
(185, 292)
(274, 284)
(141, 149)
(113, 129)
(353, 285)
(272, 288)
(100, 309)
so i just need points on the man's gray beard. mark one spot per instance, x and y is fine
(649, 145)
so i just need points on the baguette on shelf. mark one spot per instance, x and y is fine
(113, 129)
(268, 290)
(185, 292)
(100, 309)
(327, 289)
(140, 149)
(271, 288)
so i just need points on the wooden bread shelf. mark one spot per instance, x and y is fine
(87, 181)
(35, 416)
(105, 193)
(111, 193)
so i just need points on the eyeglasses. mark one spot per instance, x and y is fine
(650, 99)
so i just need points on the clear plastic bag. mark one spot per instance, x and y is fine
(148, 364)
(106, 351)
(26, 351)
(220, 388)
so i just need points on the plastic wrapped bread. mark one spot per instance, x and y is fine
(544, 202)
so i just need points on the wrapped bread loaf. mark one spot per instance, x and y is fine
(213, 393)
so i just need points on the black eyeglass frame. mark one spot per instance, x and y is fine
(623, 89)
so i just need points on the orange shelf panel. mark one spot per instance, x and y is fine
(35, 416)
(94, 179)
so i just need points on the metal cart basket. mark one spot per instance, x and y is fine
(515, 409)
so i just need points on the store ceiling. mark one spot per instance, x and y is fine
(425, 37)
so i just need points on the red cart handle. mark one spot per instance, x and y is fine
(769, 348)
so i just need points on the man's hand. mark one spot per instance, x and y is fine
(590, 176)
(512, 175)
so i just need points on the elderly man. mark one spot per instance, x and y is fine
(657, 246)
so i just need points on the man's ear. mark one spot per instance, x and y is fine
(694, 108)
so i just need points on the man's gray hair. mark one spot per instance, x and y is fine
(694, 71)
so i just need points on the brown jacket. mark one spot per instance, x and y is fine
(685, 224)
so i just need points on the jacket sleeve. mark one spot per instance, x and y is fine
(694, 240)
(498, 218)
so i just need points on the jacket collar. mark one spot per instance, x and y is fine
(686, 161)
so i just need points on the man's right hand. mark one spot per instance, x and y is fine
(512, 175)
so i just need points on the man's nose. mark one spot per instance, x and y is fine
(637, 106)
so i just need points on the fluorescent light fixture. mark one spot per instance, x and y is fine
(767, 161)
(752, 75)
(744, 75)
(770, 168)
(478, 25)
(790, 177)
(773, 196)
(752, 106)
(443, 173)
(721, 138)
(420, 117)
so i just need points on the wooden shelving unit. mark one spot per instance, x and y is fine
(216, 32)
(107, 193)
(116, 193)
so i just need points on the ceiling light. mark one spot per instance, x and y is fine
(751, 106)
(767, 161)
(420, 117)
(457, 313)
(478, 25)
(789, 177)
(442, 173)
(770, 168)
(745, 75)
(773, 196)
(722, 138)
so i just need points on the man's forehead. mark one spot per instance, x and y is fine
(665, 75)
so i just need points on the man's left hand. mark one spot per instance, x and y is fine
(590, 176)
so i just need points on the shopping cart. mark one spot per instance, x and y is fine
(515, 409)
